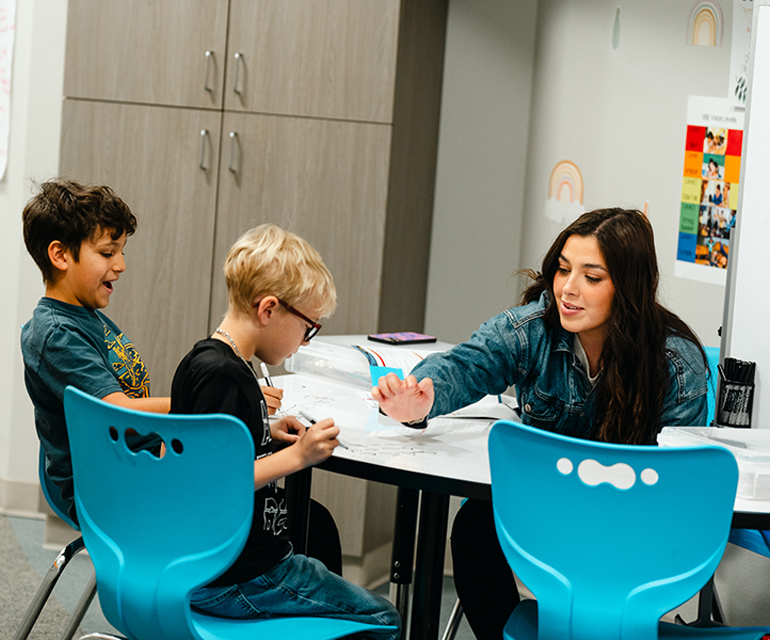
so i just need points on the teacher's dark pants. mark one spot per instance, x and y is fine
(483, 579)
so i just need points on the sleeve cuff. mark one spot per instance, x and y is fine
(422, 423)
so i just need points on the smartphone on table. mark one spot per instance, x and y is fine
(402, 337)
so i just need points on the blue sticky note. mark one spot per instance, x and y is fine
(379, 372)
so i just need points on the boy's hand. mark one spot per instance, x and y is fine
(273, 397)
(404, 400)
(287, 429)
(318, 442)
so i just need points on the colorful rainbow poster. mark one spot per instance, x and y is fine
(706, 24)
(565, 193)
(709, 198)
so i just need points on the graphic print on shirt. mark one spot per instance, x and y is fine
(275, 516)
(127, 365)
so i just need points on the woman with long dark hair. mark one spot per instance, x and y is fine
(591, 353)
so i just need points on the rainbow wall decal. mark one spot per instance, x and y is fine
(566, 183)
(706, 24)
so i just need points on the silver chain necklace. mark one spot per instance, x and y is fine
(238, 352)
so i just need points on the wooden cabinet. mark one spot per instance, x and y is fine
(333, 108)
(162, 52)
(320, 58)
(326, 180)
(212, 116)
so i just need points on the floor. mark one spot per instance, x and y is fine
(743, 580)
(23, 538)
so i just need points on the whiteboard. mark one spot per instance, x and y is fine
(746, 325)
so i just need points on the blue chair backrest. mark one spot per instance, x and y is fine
(52, 494)
(157, 528)
(608, 537)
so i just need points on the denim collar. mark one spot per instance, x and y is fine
(565, 342)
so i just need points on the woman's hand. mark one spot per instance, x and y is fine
(404, 400)
(287, 429)
(273, 397)
(318, 442)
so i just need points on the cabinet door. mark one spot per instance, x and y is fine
(325, 58)
(322, 179)
(152, 157)
(147, 51)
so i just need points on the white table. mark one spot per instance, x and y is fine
(450, 456)
(751, 449)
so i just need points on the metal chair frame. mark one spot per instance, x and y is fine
(50, 492)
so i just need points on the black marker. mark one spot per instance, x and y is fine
(312, 421)
(265, 374)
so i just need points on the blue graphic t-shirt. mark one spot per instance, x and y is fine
(126, 362)
(65, 344)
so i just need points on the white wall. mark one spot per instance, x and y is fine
(34, 149)
(619, 115)
(481, 164)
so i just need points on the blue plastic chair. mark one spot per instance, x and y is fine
(158, 528)
(52, 494)
(609, 537)
(60, 508)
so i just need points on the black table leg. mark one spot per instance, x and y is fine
(429, 566)
(402, 556)
(298, 487)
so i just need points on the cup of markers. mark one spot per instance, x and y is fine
(735, 393)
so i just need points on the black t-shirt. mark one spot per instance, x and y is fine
(213, 379)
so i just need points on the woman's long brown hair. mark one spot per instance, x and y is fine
(631, 391)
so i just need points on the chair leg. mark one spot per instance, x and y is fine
(717, 611)
(46, 587)
(80, 610)
(709, 609)
(454, 622)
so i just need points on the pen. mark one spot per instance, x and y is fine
(265, 374)
(307, 416)
(312, 421)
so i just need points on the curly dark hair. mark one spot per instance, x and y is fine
(71, 213)
(630, 394)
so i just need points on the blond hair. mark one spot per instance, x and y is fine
(268, 260)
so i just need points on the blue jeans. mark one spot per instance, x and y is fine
(299, 586)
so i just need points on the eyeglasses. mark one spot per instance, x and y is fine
(312, 330)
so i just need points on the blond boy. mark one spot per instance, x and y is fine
(278, 290)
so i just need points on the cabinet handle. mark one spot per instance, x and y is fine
(204, 135)
(238, 62)
(209, 58)
(233, 150)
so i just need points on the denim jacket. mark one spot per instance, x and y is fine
(517, 349)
